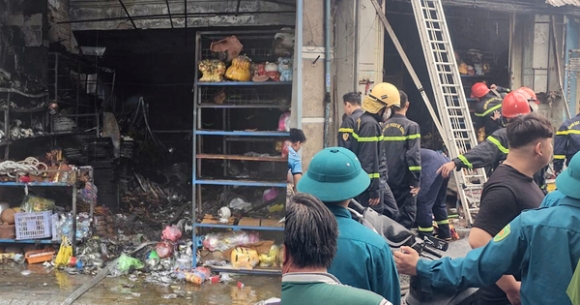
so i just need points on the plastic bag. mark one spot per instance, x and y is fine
(240, 204)
(64, 253)
(164, 249)
(32, 204)
(223, 242)
(171, 233)
(88, 194)
(127, 263)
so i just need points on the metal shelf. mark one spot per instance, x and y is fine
(205, 132)
(258, 271)
(248, 106)
(239, 183)
(221, 84)
(269, 96)
(11, 90)
(30, 241)
(37, 184)
(240, 158)
(220, 226)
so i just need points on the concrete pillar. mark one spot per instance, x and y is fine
(357, 56)
(312, 79)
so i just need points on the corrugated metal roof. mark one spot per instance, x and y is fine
(558, 3)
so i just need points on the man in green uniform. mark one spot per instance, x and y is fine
(310, 243)
(364, 259)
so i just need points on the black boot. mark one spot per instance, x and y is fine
(443, 231)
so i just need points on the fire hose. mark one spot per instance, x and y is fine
(29, 165)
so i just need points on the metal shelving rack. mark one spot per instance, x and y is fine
(262, 97)
(73, 203)
(7, 141)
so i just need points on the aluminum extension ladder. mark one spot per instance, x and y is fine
(450, 98)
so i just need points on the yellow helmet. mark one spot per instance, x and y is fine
(382, 95)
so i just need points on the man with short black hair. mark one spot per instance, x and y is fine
(364, 259)
(509, 191)
(310, 243)
(352, 111)
(297, 138)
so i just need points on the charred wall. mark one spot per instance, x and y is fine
(23, 49)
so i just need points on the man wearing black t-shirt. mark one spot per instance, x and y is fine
(509, 191)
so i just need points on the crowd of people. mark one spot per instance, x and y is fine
(525, 244)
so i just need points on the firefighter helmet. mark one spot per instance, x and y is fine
(515, 104)
(530, 92)
(479, 90)
(382, 95)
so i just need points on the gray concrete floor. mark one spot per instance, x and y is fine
(44, 287)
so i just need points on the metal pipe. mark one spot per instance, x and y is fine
(559, 67)
(298, 38)
(169, 13)
(185, 20)
(356, 44)
(327, 6)
(130, 19)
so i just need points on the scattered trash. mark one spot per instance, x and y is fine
(270, 301)
(25, 272)
(164, 249)
(19, 258)
(171, 233)
(127, 263)
(169, 296)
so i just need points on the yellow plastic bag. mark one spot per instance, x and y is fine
(64, 253)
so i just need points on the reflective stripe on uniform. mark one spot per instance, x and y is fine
(567, 132)
(402, 138)
(429, 229)
(442, 222)
(366, 139)
(374, 176)
(559, 157)
(490, 110)
(497, 143)
(414, 168)
(465, 161)
(348, 130)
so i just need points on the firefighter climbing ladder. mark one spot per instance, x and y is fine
(449, 96)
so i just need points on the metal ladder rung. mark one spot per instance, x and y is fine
(432, 20)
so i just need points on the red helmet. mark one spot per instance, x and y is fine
(530, 93)
(515, 104)
(479, 90)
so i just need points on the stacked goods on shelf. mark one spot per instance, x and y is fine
(240, 170)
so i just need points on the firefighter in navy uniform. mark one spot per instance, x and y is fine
(566, 142)
(402, 145)
(366, 141)
(494, 150)
(352, 111)
(487, 105)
